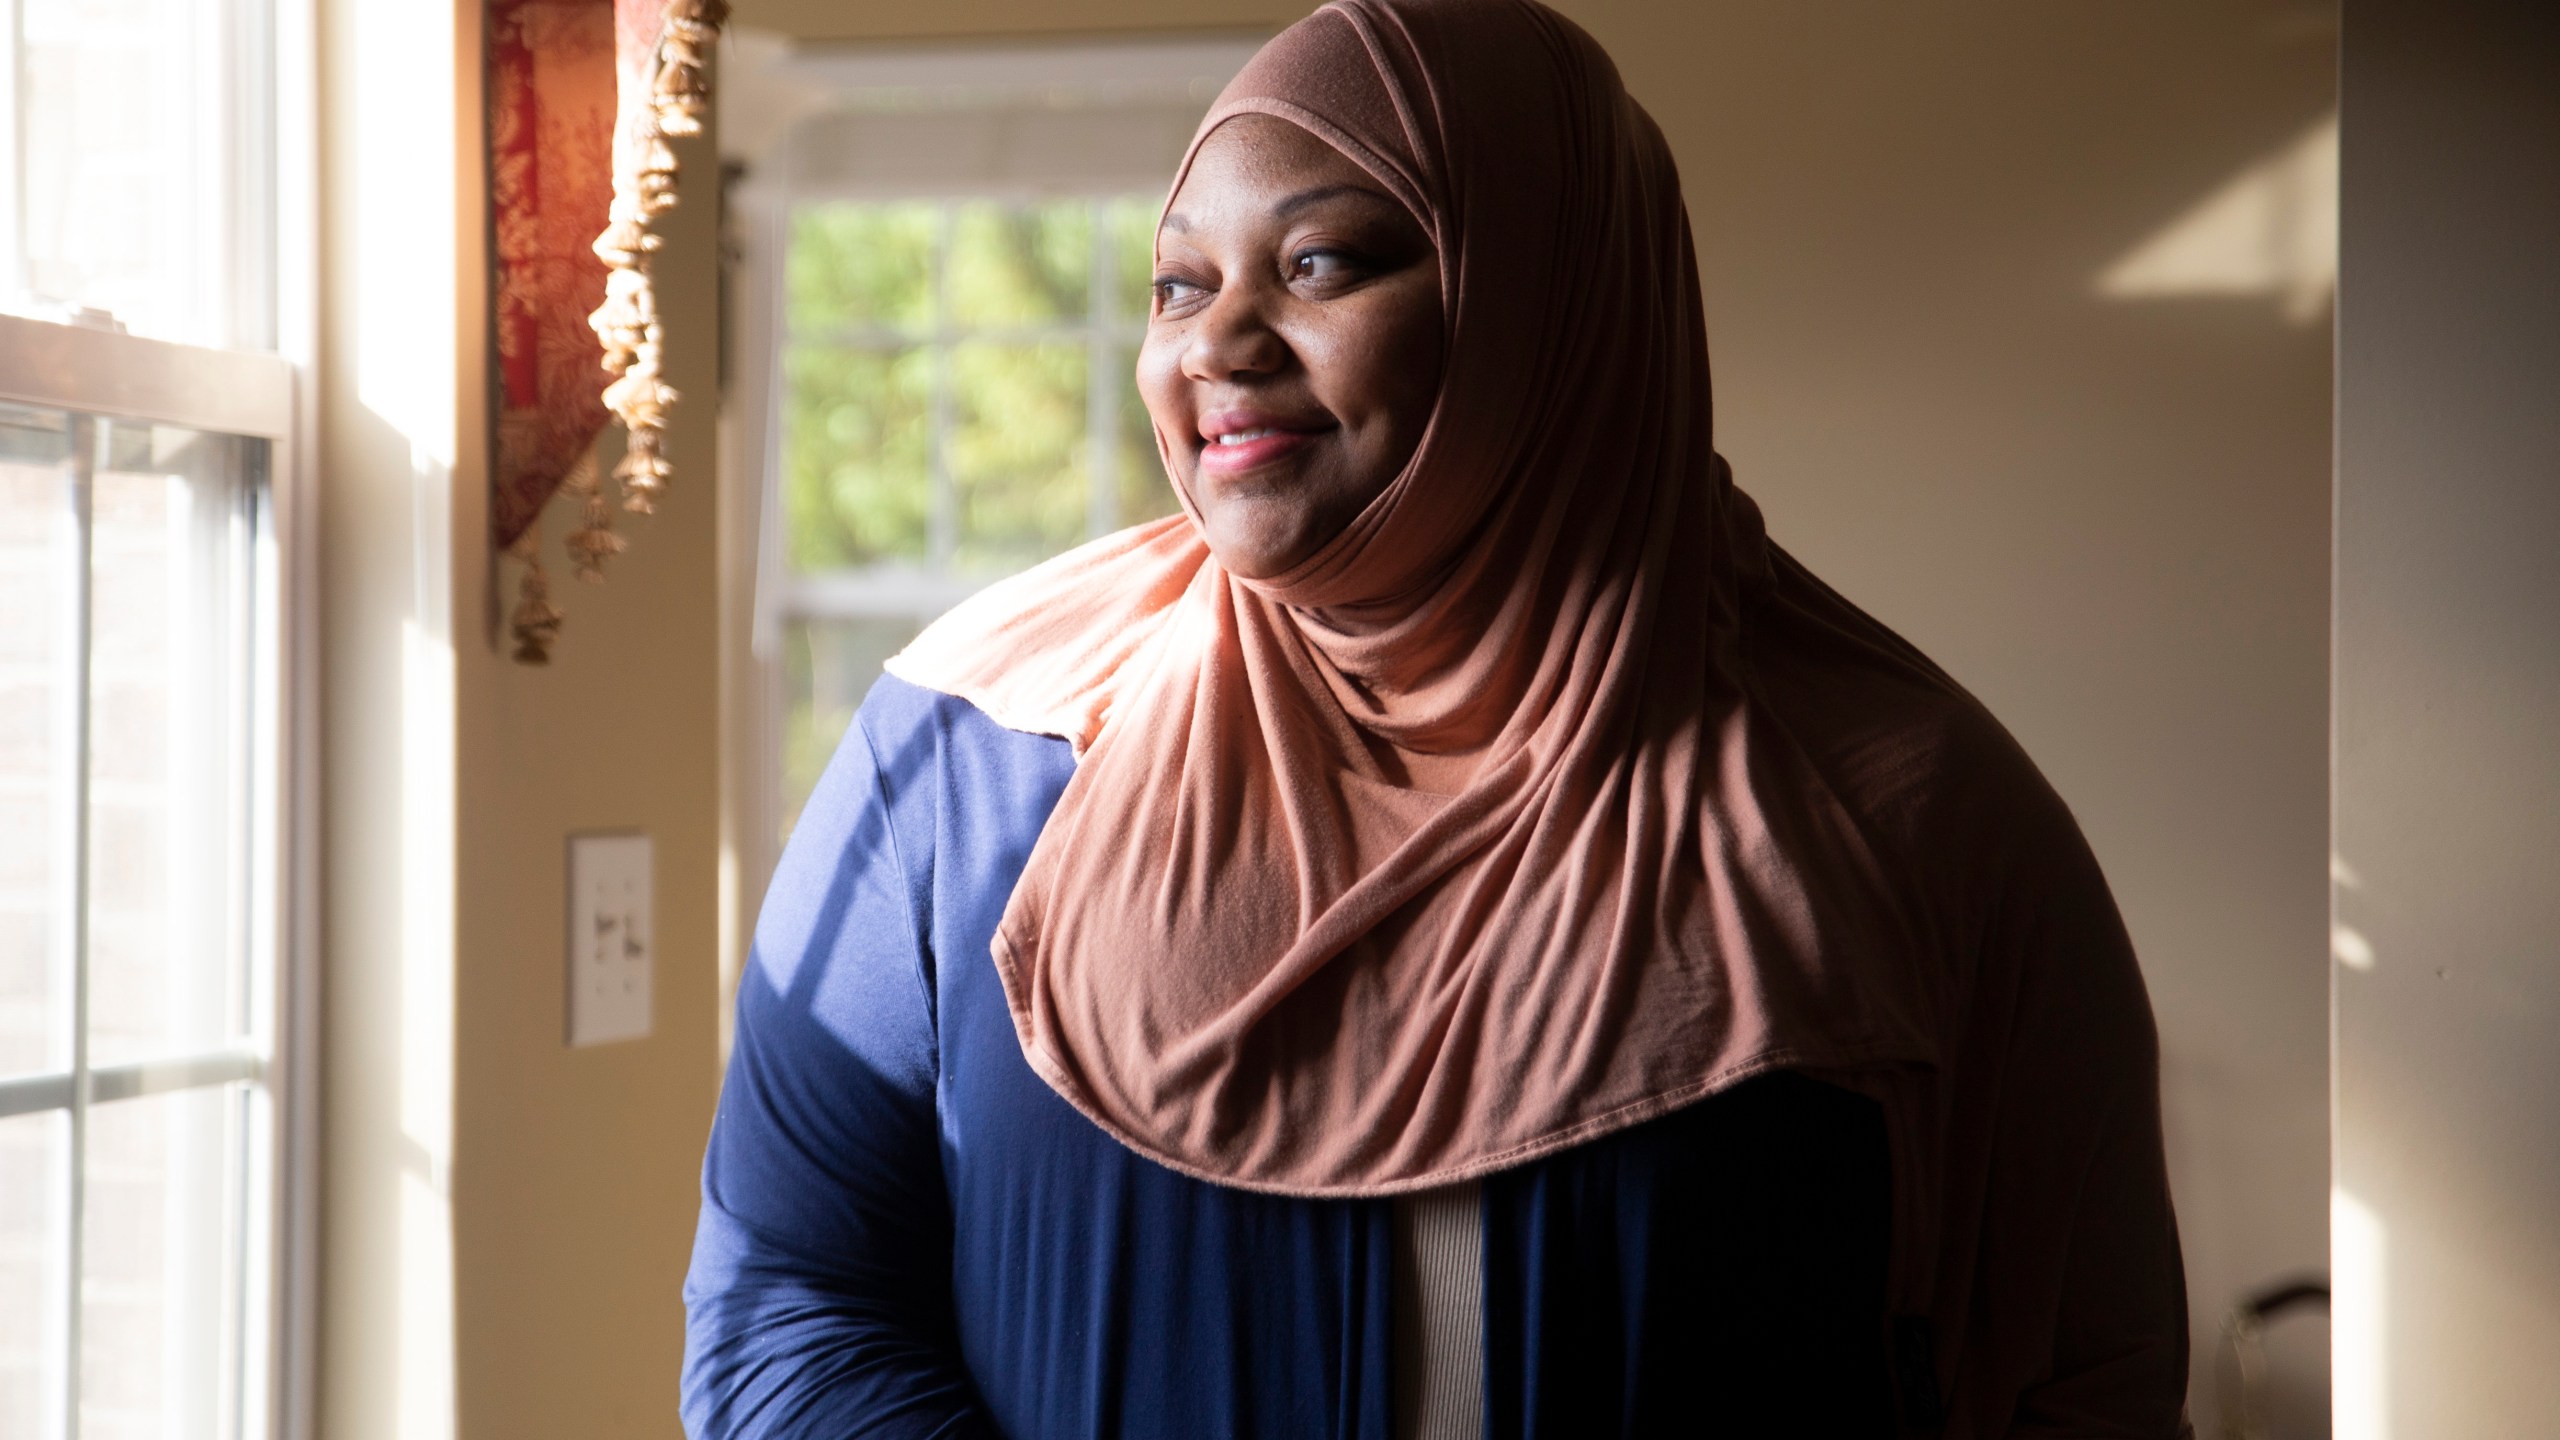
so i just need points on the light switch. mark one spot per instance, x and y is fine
(612, 938)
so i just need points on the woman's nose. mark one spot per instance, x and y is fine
(1234, 338)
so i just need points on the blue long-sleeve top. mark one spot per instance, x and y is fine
(904, 1232)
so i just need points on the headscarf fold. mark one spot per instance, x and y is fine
(1250, 943)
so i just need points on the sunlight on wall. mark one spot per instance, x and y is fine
(2358, 1330)
(426, 1347)
(403, 291)
(2269, 232)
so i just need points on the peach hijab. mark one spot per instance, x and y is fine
(1715, 821)
(1244, 944)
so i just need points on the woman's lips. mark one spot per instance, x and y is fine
(1238, 451)
(1234, 441)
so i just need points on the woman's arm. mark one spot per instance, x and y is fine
(2091, 1205)
(819, 1301)
(2120, 1330)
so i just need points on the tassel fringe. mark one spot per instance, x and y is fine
(627, 325)
(536, 621)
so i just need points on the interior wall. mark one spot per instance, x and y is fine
(2019, 322)
(394, 376)
(576, 1171)
(505, 1220)
(2448, 719)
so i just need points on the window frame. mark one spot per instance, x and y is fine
(103, 374)
(1107, 331)
(778, 151)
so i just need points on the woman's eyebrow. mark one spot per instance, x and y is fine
(1317, 195)
(1176, 221)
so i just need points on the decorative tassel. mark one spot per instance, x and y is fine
(624, 242)
(626, 324)
(641, 398)
(536, 621)
(593, 542)
(643, 472)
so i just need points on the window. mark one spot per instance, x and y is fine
(940, 263)
(957, 403)
(142, 177)
(144, 923)
(948, 254)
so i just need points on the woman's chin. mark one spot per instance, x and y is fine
(1260, 547)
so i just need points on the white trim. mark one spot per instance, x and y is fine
(31, 1094)
(884, 592)
(71, 961)
(294, 748)
(101, 372)
(268, 239)
(1169, 67)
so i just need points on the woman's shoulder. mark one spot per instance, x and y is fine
(1919, 762)
(1047, 651)
(913, 745)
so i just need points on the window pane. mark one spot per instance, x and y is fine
(828, 666)
(857, 456)
(128, 149)
(31, 1231)
(168, 775)
(35, 762)
(1017, 452)
(861, 265)
(161, 1264)
(1021, 264)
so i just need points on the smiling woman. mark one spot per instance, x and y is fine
(1294, 354)
(1456, 933)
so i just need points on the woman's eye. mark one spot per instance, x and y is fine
(1319, 265)
(1170, 291)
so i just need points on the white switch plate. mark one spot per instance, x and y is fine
(612, 938)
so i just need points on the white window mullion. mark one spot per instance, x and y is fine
(942, 526)
(1101, 387)
(71, 898)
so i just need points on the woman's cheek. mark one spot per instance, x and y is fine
(1161, 390)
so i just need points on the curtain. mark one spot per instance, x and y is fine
(584, 96)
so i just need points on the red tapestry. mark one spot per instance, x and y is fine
(584, 96)
(551, 124)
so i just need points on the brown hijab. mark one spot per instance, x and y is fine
(1717, 822)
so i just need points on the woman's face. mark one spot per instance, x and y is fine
(1293, 354)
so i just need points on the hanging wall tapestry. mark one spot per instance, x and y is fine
(583, 98)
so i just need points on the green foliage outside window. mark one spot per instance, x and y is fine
(958, 339)
(861, 265)
(991, 305)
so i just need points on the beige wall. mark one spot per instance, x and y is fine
(389, 384)
(2108, 516)
(2448, 722)
(575, 1170)
(506, 1220)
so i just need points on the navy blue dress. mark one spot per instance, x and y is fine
(905, 1233)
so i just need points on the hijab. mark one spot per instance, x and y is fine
(1714, 820)
(1242, 945)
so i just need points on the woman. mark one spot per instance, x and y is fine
(1455, 933)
